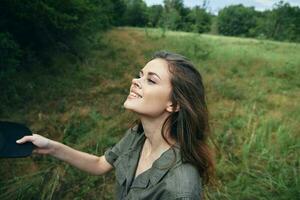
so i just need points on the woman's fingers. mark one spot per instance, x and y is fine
(42, 143)
(24, 139)
(36, 139)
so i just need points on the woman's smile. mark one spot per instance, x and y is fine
(134, 95)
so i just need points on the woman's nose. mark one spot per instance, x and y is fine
(136, 83)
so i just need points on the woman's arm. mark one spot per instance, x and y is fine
(83, 161)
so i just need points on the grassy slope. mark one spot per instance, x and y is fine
(253, 94)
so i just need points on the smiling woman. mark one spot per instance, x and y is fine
(165, 154)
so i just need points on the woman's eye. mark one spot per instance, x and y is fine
(151, 81)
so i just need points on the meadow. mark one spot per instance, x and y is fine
(253, 95)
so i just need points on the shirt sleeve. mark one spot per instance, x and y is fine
(112, 154)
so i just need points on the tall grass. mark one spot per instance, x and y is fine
(253, 93)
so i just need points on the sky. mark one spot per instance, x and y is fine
(215, 5)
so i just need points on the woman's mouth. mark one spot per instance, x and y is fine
(134, 95)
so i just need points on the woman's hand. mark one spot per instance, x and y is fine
(44, 145)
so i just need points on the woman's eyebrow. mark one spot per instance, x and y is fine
(151, 73)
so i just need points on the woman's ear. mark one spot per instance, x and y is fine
(173, 108)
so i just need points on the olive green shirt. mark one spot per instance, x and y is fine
(168, 178)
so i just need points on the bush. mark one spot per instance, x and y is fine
(236, 20)
(44, 28)
(10, 52)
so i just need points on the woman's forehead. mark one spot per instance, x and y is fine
(158, 66)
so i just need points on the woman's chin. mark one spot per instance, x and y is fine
(127, 105)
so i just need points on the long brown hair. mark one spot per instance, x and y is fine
(189, 125)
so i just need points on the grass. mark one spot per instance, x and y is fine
(253, 93)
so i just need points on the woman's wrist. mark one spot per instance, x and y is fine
(53, 147)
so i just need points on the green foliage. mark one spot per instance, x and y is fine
(175, 16)
(172, 15)
(171, 19)
(10, 52)
(155, 15)
(117, 9)
(198, 20)
(281, 23)
(236, 20)
(40, 28)
(136, 13)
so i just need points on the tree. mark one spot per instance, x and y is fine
(10, 52)
(118, 10)
(40, 27)
(286, 22)
(236, 20)
(155, 13)
(136, 13)
(172, 15)
(281, 23)
(199, 20)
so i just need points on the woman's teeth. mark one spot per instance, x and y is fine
(135, 95)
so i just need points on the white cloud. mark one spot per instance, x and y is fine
(265, 2)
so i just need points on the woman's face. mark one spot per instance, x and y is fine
(150, 92)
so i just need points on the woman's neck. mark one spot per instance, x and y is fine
(155, 143)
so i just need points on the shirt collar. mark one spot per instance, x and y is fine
(160, 167)
(164, 163)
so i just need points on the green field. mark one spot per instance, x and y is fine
(253, 94)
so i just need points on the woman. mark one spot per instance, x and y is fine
(165, 155)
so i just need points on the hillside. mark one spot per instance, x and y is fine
(253, 91)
